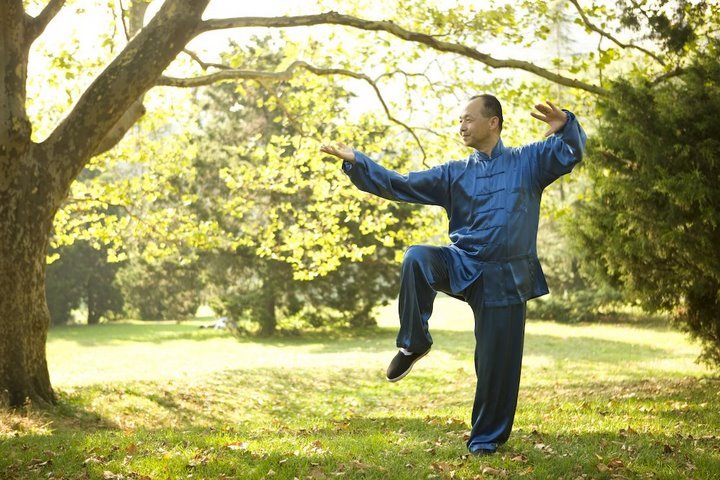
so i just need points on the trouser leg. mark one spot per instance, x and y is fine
(499, 335)
(424, 272)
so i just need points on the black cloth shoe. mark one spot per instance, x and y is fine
(402, 364)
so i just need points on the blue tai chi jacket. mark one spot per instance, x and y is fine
(493, 207)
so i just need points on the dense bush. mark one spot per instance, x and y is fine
(651, 220)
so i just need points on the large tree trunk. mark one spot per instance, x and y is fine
(24, 318)
(35, 178)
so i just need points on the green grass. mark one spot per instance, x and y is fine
(157, 401)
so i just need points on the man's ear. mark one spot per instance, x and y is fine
(494, 123)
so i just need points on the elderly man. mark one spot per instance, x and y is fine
(492, 200)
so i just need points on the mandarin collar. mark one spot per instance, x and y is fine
(497, 150)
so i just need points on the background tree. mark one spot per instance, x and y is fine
(275, 207)
(650, 222)
(82, 277)
(160, 290)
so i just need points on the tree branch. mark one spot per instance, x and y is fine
(667, 75)
(335, 18)
(123, 14)
(204, 65)
(128, 211)
(39, 23)
(132, 115)
(235, 74)
(617, 42)
(122, 83)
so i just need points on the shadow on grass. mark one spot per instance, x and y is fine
(150, 332)
(461, 344)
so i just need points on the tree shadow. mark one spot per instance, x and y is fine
(461, 344)
(118, 333)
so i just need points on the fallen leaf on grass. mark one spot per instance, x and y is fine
(316, 474)
(37, 463)
(680, 407)
(547, 449)
(315, 447)
(496, 472)
(237, 446)
(527, 471)
(108, 475)
(199, 459)
(455, 421)
(442, 466)
(612, 466)
(358, 465)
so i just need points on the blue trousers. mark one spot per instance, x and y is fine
(499, 335)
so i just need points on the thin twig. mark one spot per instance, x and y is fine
(205, 65)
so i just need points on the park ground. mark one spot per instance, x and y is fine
(169, 401)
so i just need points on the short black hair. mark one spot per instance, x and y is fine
(491, 107)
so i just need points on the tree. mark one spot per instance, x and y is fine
(651, 220)
(82, 276)
(36, 175)
(254, 198)
(160, 290)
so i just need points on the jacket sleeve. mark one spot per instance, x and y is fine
(427, 187)
(557, 155)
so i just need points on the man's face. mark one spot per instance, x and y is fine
(475, 129)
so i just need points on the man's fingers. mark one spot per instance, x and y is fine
(543, 108)
(538, 116)
(551, 105)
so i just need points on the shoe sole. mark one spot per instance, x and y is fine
(400, 377)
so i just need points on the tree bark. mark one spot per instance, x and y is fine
(25, 223)
(35, 178)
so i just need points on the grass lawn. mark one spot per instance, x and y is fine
(168, 401)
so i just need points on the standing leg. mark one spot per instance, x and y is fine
(499, 335)
(424, 272)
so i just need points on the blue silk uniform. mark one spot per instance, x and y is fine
(493, 207)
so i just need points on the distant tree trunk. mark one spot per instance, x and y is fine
(267, 302)
(93, 315)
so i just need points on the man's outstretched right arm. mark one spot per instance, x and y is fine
(427, 187)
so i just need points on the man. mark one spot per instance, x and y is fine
(492, 199)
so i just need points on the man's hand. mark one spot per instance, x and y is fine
(339, 150)
(551, 115)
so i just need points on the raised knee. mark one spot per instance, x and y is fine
(414, 255)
